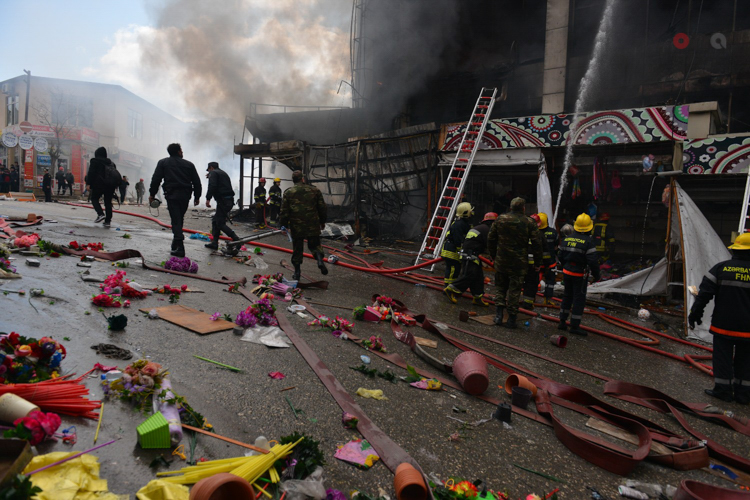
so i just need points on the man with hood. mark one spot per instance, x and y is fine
(102, 183)
(60, 180)
(181, 181)
(728, 283)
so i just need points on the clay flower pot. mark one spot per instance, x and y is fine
(409, 483)
(222, 486)
(518, 380)
(470, 368)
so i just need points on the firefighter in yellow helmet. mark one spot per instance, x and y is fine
(604, 238)
(728, 283)
(259, 196)
(549, 256)
(578, 256)
(274, 200)
(472, 275)
(453, 241)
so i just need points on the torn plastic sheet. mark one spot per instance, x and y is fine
(335, 230)
(649, 281)
(271, 336)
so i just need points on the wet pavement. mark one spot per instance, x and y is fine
(245, 405)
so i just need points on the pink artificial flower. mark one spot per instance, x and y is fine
(151, 369)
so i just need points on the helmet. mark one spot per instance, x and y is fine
(536, 219)
(604, 217)
(489, 216)
(543, 220)
(277, 180)
(464, 210)
(741, 243)
(583, 223)
(262, 180)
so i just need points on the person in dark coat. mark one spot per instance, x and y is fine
(472, 274)
(60, 180)
(140, 190)
(728, 284)
(99, 187)
(4, 180)
(219, 188)
(47, 185)
(181, 181)
(124, 188)
(274, 200)
(15, 179)
(70, 180)
(259, 196)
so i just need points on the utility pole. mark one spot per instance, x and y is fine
(28, 94)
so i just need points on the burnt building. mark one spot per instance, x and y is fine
(617, 79)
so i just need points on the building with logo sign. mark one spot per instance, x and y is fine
(67, 120)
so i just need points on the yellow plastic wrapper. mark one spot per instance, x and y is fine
(76, 479)
(159, 489)
(371, 394)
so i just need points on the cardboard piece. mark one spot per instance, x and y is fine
(426, 342)
(193, 320)
(489, 319)
(15, 454)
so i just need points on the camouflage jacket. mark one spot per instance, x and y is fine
(513, 237)
(303, 210)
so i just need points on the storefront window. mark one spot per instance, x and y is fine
(11, 114)
(135, 124)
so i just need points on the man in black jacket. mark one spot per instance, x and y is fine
(70, 179)
(15, 179)
(181, 180)
(47, 186)
(219, 188)
(60, 179)
(99, 187)
(728, 283)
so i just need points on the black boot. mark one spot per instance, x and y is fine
(721, 391)
(742, 394)
(178, 249)
(511, 323)
(562, 325)
(321, 264)
(575, 328)
(499, 314)
(212, 245)
(297, 273)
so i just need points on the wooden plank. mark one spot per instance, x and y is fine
(616, 432)
(489, 319)
(193, 320)
(426, 342)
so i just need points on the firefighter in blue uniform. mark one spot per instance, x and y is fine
(453, 241)
(577, 253)
(728, 283)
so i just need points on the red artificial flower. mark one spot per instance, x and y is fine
(183, 288)
(74, 245)
(129, 291)
(14, 338)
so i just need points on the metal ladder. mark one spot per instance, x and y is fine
(745, 218)
(454, 186)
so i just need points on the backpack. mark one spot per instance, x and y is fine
(111, 177)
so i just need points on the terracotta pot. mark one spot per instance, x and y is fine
(516, 379)
(470, 368)
(222, 486)
(409, 483)
(694, 490)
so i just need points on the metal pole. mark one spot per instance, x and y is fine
(242, 180)
(28, 94)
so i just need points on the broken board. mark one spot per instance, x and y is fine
(426, 342)
(489, 319)
(193, 320)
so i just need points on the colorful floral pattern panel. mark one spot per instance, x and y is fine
(665, 123)
(717, 155)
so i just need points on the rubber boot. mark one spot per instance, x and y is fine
(528, 303)
(451, 292)
(547, 301)
(179, 249)
(742, 394)
(321, 264)
(721, 391)
(575, 328)
(479, 301)
(511, 323)
(499, 314)
(297, 273)
(562, 324)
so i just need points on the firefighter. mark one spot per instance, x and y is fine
(274, 200)
(577, 253)
(260, 203)
(549, 257)
(453, 241)
(531, 282)
(604, 238)
(472, 275)
(728, 283)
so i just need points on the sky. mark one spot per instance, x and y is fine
(195, 59)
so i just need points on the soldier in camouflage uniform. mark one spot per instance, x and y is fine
(303, 212)
(508, 244)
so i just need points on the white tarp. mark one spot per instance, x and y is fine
(544, 192)
(650, 281)
(702, 249)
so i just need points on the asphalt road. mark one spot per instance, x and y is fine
(248, 404)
